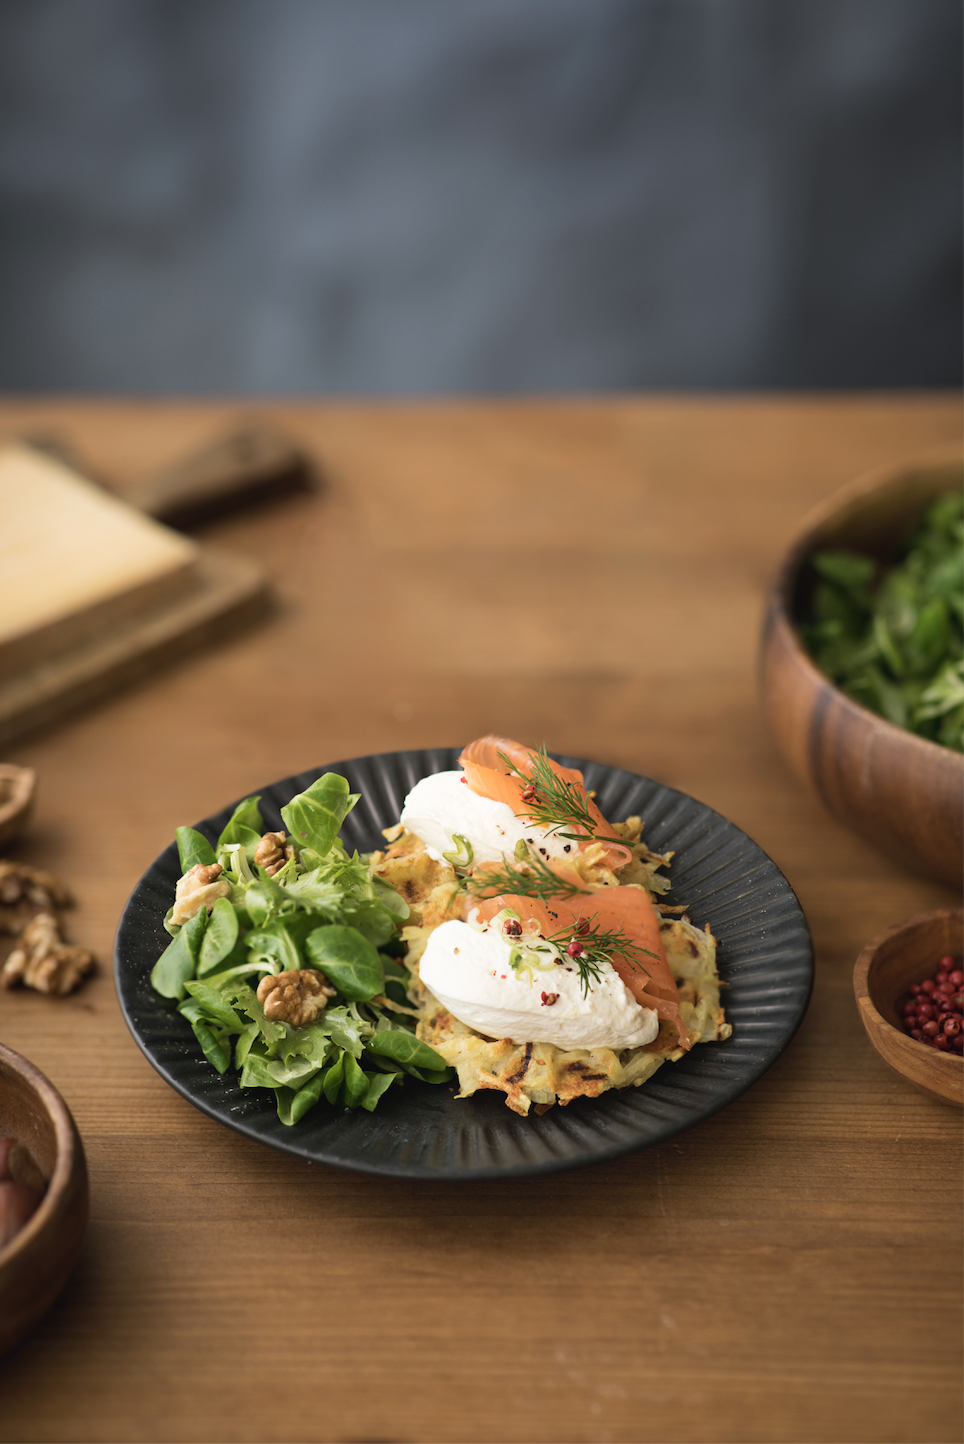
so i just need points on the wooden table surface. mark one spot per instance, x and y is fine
(591, 573)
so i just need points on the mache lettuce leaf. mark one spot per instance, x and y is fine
(314, 817)
(322, 909)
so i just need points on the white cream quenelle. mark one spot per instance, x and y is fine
(469, 971)
(442, 805)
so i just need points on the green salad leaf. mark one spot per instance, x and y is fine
(178, 961)
(192, 848)
(215, 1006)
(214, 1041)
(314, 817)
(321, 910)
(347, 1029)
(378, 1084)
(406, 1049)
(220, 936)
(348, 960)
(292, 1106)
(892, 638)
(244, 826)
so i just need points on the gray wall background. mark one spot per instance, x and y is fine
(414, 196)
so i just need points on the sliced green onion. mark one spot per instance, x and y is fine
(455, 855)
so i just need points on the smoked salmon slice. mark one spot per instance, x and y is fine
(610, 909)
(488, 776)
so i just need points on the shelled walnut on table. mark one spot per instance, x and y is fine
(30, 900)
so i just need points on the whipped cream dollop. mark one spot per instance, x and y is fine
(443, 804)
(540, 1000)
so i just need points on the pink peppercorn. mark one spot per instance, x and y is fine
(933, 1013)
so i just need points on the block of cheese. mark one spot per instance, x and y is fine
(74, 561)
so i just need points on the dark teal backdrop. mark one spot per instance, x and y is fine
(411, 196)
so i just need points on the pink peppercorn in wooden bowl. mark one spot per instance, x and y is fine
(37, 1261)
(904, 956)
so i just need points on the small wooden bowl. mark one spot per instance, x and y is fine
(897, 790)
(16, 799)
(37, 1262)
(908, 953)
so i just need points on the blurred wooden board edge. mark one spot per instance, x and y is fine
(224, 591)
(248, 464)
(252, 462)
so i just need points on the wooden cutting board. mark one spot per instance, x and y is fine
(93, 591)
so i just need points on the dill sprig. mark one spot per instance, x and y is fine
(554, 803)
(590, 970)
(598, 945)
(532, 877)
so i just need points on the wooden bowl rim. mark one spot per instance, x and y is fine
(948, 1061)
(865, 485)
(67, 1154)
(782, 585)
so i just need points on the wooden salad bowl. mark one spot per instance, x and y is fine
(36, 1263)
(904, 954)
(897, 790)
(16, 799)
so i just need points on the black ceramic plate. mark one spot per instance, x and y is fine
(421, 1131)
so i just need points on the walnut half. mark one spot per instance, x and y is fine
(26, 891)
(295, 997)
(42, 960)
(197, 889)
(271, 853)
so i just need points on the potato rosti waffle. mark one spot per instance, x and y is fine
(541, 1074)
